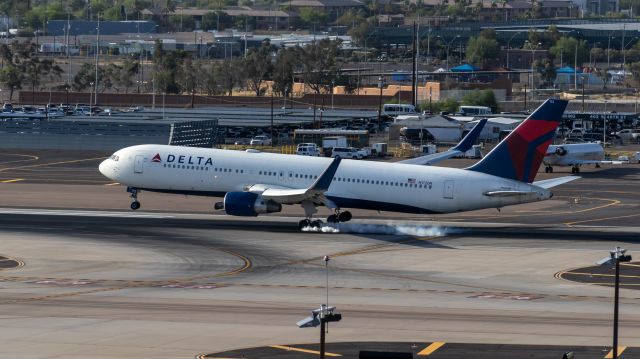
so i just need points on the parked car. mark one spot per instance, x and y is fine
(629, 135)
(261, 140)
(346, 152)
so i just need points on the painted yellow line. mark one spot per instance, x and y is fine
(12, 180)
(602, 274)
(431, 348)
(304, 350)
(569, 224)
(112, 184)
(620, 350)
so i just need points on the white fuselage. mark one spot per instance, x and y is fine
(572, 154)
(356, 184)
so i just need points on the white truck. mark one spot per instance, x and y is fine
(330, 142)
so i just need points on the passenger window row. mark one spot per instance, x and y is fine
(196, 168)
(379, 183)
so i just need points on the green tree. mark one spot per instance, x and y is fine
(481, 48)
(310, 16)
(11, 77)
(320, 64)
(258, 67)
(287, 63)
(481, 98)
(567, 46)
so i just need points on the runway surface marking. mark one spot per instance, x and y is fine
(431, 348)
(12, 180)
(129, 284)
(602, 275)
(50, 164)
(31, 158)
(308, 351)
(620, 350)
(56, 212)
(612, 202)
(571, 224)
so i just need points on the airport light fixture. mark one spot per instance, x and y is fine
(616, 256)
(320, 317)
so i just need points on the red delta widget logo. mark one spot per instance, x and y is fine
(187, 160)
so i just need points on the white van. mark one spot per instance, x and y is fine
(308, 149)
(474, 110)
(395, 109)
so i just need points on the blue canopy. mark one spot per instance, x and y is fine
(567, 70)
(465, 68)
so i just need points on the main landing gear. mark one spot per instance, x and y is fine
(575, 169)
(134, 197)
(334, 218)
(548, 169)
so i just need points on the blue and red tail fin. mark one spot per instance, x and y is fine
(519, 155)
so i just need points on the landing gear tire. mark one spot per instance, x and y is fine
(575, 170)
(548, 169)
(304, 223)
(344, 216)
(316, 224)
(332, 219)
(135, 205)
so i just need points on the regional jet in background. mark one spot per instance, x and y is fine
(575, 155)
(254, 183)
(463, 146)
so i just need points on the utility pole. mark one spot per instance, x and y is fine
(271, 128)
(413, 71)
(97, 61)
(380, 86)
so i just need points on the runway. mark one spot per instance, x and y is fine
(174, 280)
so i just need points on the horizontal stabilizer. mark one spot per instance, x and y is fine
(553, 182)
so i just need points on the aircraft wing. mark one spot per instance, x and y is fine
(314, 193)
(553, 182)
(463, 146)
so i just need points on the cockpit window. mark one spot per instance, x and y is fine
(115, 157)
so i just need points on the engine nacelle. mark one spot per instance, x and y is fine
(248, 204)
(561, 151)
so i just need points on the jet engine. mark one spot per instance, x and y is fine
(247, 204)
(561, 151)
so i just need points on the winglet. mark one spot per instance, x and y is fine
(470, 139)
(323, 182)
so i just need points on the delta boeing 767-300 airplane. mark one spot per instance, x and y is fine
(254, 183)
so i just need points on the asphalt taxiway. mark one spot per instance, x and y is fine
(173, 280)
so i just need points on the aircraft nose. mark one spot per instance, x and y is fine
(105, 168)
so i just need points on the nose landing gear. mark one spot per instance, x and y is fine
(134, 197)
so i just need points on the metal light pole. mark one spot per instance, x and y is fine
(616, 256)
(97, 61)
(326, 267)
(380, 86)
(608, 52)
(447, 46)
(163, 94)
(533, 57)
(333, 85)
